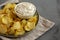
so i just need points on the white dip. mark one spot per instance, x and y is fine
(25, 10)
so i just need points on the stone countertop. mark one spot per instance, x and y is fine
(50, 10)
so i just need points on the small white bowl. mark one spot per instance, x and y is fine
(25, 10)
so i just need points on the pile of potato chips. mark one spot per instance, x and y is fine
(11, 24)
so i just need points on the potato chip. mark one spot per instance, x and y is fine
(11, 30)
(29, 26)
(24, 22)
(8, 11)
(7, 20)
(10, 14)
(1, 15)
(33, 19)
(9, 6)
(17, 25)
(3, 28)
(21, 32)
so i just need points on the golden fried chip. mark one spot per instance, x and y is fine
(3, 28)
(9, 6)
(1, 15)
(17, 29)
(17, 25)
(4, 10)
(29, 26)
(24, 22)
(8, 11)
(33, 19)
(7, 20)
(11, 30)
(10, 14)
(21, 32)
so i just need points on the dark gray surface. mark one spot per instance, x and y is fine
(50, 10)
